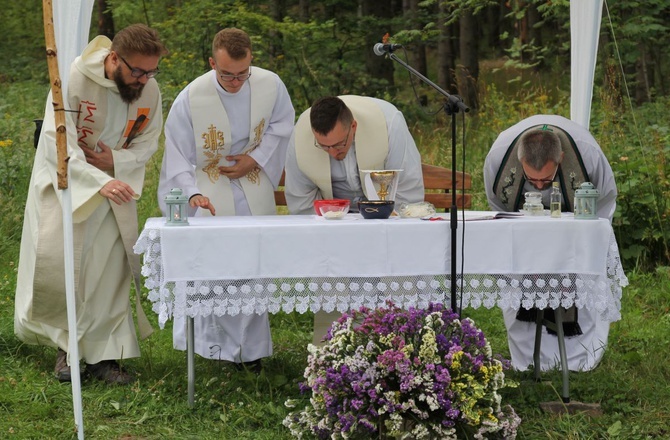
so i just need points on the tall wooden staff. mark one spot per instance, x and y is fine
(66, 203)
(56, 93)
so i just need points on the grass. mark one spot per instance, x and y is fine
(630, 384)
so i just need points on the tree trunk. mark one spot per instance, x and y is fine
(418, 53)
(468, 69)
(278, 12)
(642, 88)
(105, 19)
(446, 55)
(376, 66)
(303, 10)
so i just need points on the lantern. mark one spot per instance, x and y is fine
(177, 208)
(586, 205)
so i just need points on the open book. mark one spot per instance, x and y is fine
(488, 215)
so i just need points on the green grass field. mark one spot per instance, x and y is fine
(630, 385)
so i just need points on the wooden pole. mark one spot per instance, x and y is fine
(56, 94)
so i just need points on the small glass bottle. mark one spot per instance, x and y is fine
(555, 201)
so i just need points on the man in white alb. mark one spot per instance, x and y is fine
(335, 139)
(529, 156)
(225, 143)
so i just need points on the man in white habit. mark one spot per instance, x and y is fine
(530, 156)
(225, 144)
(335, 139)
(114, 120)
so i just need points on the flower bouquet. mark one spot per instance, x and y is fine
(407, 374)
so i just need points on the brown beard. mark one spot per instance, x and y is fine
(129, 93)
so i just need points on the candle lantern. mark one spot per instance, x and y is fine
(586, 205)
(177, 208)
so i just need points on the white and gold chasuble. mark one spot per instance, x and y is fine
(212, 131)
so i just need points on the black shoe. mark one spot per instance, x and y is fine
(110, 372)
(62, 369)
(253, 366)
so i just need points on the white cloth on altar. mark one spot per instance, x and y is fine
(240, 338)
(403, 155)
(585, 351)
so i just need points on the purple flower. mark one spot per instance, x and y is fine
(413, 364)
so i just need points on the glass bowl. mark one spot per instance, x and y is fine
(332, 205)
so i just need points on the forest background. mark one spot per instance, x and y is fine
(507, 59)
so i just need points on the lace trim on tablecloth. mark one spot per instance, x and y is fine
(232, 297)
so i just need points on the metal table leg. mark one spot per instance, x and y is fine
(558, 328)
(190, 355)
(538, 343)
(564, 358)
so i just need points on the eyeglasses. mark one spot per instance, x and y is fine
(136, 72)
(230, 78)
(338, 146)
(541, 181)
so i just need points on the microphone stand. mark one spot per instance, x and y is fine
(451, 107)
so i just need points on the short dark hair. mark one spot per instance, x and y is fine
(326, 112)
(538, 146)
(235, 41)
(138, 39)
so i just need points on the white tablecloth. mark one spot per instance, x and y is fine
(232, 265)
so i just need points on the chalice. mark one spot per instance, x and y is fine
(384, 179)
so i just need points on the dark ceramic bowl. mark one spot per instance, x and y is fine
(381, 209)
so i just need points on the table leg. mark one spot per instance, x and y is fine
(538, 343)
(564, 358)
(190, 354)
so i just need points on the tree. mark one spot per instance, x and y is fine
(105, 19)
(468, 68)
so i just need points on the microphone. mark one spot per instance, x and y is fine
(382, 49)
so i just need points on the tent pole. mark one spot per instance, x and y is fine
(62, 166)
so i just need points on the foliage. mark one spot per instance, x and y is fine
(413, 373)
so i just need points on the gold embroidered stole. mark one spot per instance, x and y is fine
(371, 144)
(509, 182)
(213, 140)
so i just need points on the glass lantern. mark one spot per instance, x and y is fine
(533, 205)
(586, 201)
(177, 208)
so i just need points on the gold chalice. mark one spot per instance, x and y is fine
(383, 179)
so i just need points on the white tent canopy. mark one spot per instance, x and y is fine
(585, 19)
(72, 21)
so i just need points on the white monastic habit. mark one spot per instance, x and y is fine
(396, 148)
(236, 130)
(103, 231)
(585, 351)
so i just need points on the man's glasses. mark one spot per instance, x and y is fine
(338, 146)
(541, 182)
(136, 72)
(230, 78)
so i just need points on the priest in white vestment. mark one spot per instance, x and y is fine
(225, 144)
(507, 177)
(114, 120)
(333, 141)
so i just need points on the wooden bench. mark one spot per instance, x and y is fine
(437, 184)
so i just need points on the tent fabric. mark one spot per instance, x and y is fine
(585, 20)
(72, 22)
